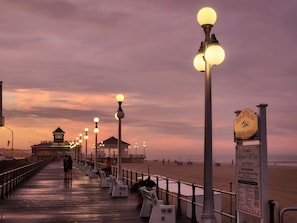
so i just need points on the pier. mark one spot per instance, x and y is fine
(46, 198)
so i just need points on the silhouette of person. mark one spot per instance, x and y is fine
(65, 165)
(69, 167)
(107, 168)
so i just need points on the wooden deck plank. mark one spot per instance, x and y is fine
(46, 198)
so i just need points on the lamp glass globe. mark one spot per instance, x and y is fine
(199, 62)
(120, 97)
(206, 16)
(214, 54)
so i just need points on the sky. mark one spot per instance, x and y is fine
(62, 62)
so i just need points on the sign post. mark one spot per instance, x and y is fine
(248, 179)
(251, 164)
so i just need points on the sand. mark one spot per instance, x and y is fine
(282, 181)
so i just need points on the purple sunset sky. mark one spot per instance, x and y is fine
(63, 62)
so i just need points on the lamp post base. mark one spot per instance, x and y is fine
(208, 219)
(120, 189)
(88, 171)
(92, 174)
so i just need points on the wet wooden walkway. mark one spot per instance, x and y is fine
(47, 198)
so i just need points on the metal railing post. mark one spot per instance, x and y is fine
(179, 212)
(167, 191)
(193, 218)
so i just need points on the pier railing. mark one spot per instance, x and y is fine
(9, 180)
(187, 197)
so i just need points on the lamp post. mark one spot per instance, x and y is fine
(12, 152)
(144, 145)
(101, 148)
(209, 54)
(86, 139)
(136, 147)
(77, 149)
(80, 142)
(2, 119)
(120, 115)
(96, 131)
(120, 190)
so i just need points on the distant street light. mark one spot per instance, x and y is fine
(210, 53)
(77, 150)
(12, 152)
(136, 147)
(101, 148)
(86, 139)
(2, 119)
(120, 190)
(96, 131)
(144, 146)
(80, 152)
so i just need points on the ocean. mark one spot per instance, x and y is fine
(273, 159)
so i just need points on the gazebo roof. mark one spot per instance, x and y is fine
(112, 142)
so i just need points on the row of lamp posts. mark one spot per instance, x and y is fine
(79, 153)
(136, 148)
(88, 171)
(209, 54)
(119, 116)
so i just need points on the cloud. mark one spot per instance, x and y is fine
(62, 62)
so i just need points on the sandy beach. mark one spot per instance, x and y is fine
(282, 180)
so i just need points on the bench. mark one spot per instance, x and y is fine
(105, 181)
(113, 181)
(186, 191)
(90, 172)
(119, 189)
(154, 208)
(162, 213)
(149, 198)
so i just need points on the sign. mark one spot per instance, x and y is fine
(248, 179)
(245, 125)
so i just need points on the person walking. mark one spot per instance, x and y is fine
(69, 171)
(107, 168)
(65, 166)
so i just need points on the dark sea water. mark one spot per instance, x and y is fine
(273, 159)
(282, 160)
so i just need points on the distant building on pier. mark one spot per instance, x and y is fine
(107, 148)
(111, 145)
(58, 147)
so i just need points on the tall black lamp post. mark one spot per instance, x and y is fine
(120, 190)
(209, 54)
(120, 116)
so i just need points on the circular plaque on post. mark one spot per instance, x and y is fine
(245, 125)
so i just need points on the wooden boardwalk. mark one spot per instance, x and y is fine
(46, 198)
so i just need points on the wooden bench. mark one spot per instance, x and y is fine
(154, 208)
